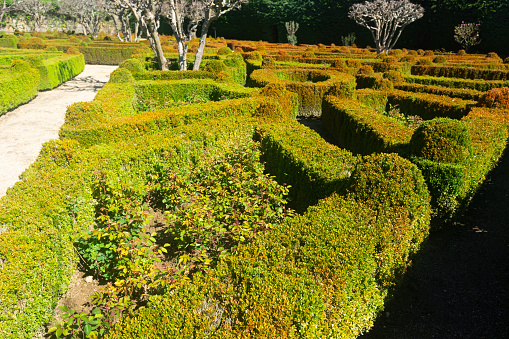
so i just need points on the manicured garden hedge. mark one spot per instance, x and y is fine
(479, 85)
(298, 156)
(429, 106)
(302, 279)
(361, 129)
(18, 85)
(55, 71)
(115, 112)
(460, 72)
(310, 85)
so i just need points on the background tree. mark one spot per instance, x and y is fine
(184, 17)
(291, 29)
(212, 10)
(6, 7)
(35, 11)
(88, 13)
(385, 19)
(148, 14)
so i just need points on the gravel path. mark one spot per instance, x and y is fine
(25, 129)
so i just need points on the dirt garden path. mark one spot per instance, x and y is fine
(25, 129)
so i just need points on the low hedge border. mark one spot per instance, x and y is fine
(114, 114)
(460, 72)
(479, 85)
(310, 85)
(303, 279)
(466, 94)
(363, 130)
(298, 156)
(429, 106)
(19, 85)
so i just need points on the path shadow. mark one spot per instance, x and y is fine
(458, 286)
(81, 84)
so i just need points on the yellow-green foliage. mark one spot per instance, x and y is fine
(133, 65)
(301, 279)
(115, 114)
(361, 129)
(462, 93)
(298, 156)
(121, 75)
(429, 106)
(479, 85)
(18, 85)
(454, 157)
(442, 140)
(460, 72)
(310, 85)
(9, 41)
(57, 70)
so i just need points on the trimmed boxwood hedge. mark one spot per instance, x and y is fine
(298, 156)
(302, 279)
(310, 85)
(460, 72)
(18, 85)
(361, 129)
(429, 106)
(55, 71)
(479, 84)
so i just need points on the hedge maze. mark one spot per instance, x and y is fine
(415, 132)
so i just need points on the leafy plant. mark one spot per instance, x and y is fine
(467, 35)
(411, 121)
(80, 325)
(225, 200)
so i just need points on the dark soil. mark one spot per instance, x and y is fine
(458, 285)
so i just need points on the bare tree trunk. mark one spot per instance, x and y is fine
(182, 49)
(201, 46)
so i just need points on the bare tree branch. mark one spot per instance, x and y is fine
(385, 19)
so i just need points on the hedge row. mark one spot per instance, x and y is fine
(18, 84)
(462, 93)
(310, 85)
(457, 157)
(460, 72)
(429, 106)
(324, 274)
(41, 215)
(9, 42)
(361, 129)
(115, 113)
(298, 156)
(479, 85)
(55, 71)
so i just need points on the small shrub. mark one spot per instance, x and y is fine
(442, 140)
(495, 98)
(429, 53)
(461, 52)
(121, 75)
(366, 70)
(133, 65)
(383, 84)
(224, 76)
(439, 59)
(224, 51)
(257, 56)
(215, 66)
